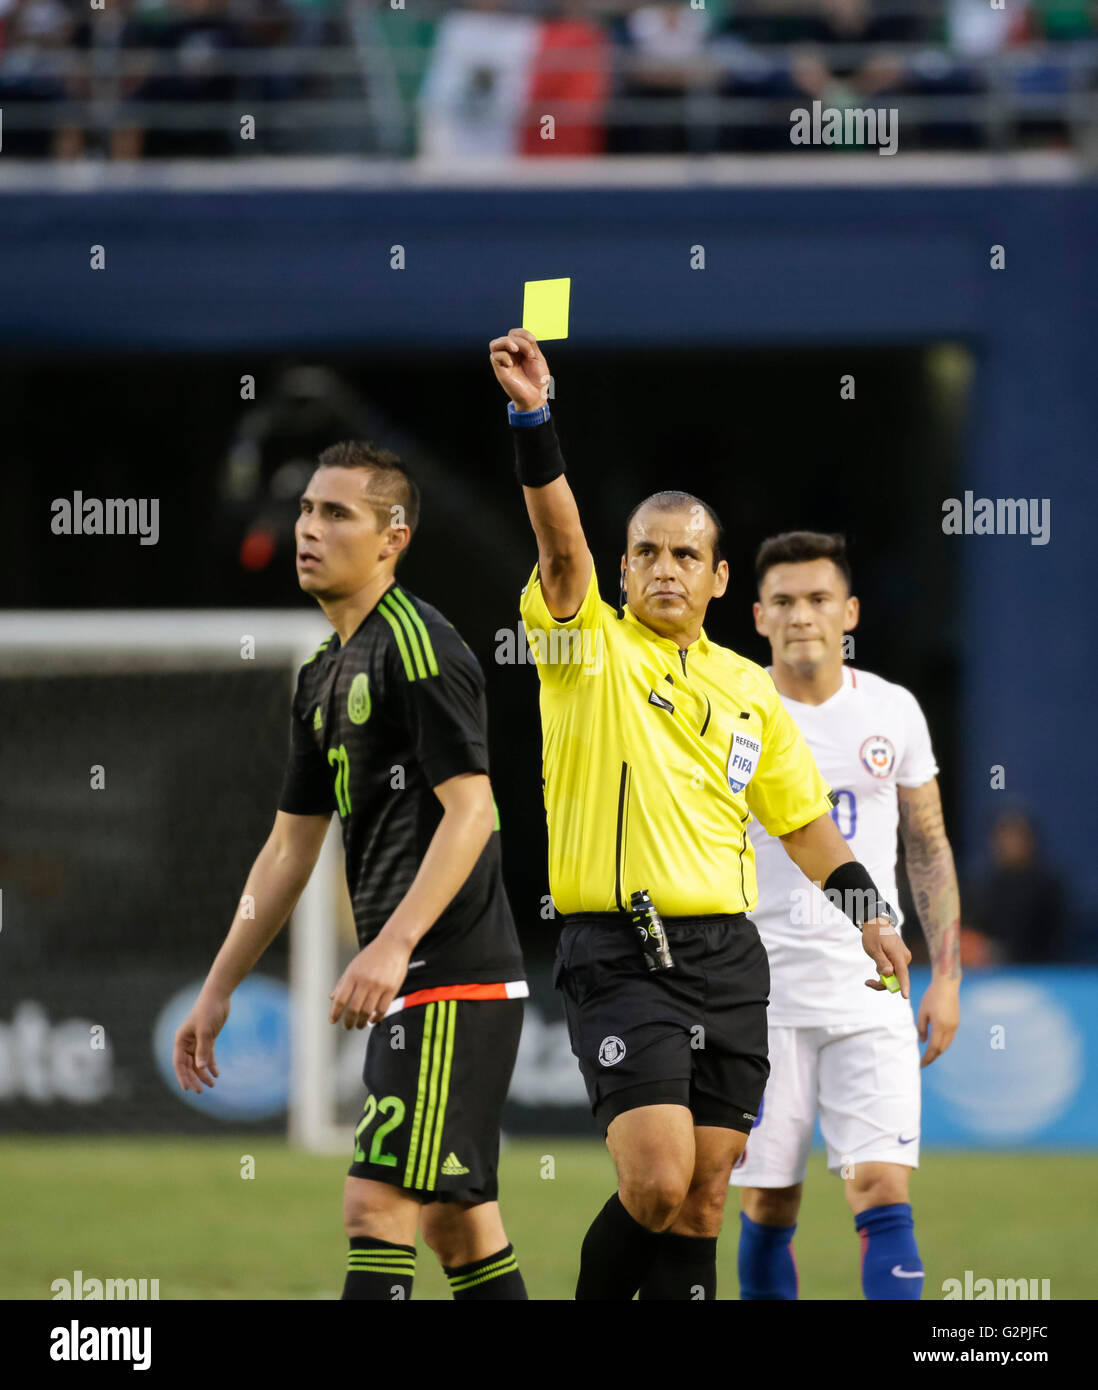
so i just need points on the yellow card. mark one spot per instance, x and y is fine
(545, 308)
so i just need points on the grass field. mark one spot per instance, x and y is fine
(179, 1211)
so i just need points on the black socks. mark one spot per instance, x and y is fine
(685, 1268)
(378, 1270)
(495, 1278)
(616, 1256)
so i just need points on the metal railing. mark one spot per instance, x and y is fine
(363, 96)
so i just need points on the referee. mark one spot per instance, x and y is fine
(658, 746)
(389, 731)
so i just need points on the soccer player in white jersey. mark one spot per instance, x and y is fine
(837, 1049)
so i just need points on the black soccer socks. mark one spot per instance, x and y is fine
(685, 1269)
(494, 1278)
(616, 1256)
(378, 1270)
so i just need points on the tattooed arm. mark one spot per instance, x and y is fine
(934, 888)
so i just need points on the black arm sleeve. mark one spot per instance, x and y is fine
(538, 459)
(308, 787)
(445, 715)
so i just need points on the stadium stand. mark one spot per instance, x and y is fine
(221, 78)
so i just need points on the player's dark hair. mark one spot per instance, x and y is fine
(672, 500)
(795, 547)
(390, 484)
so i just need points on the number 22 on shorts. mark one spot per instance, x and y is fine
(392, 1106)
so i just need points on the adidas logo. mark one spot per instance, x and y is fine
(452, 1166)
(318, 718)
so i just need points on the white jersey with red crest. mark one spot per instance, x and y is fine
(868, 739)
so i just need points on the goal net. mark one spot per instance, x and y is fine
(142, 758)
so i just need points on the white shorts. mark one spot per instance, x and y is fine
(863, 1080)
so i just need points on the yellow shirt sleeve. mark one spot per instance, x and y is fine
(787, 790)
(562, 650)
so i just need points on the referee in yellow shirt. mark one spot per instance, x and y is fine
(658, 746)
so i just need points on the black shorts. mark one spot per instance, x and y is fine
(436, 1078)
(693, 1036)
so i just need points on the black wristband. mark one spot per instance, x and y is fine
(851, 890)
(538, 459)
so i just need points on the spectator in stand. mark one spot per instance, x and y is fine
(315, 22)
(570, 81)
(749, 49)
(1018, 906)
(271, 25)
(1042, 80)
(91, 79)
(818, 31)
(663, 58)
(34, 67)
(972, 32)
(196, 39)
(842, 82)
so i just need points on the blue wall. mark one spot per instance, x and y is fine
(1022, 1071)
(291, 270)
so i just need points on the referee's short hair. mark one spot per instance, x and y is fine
(389, 484)
(671, 500)
(795, 547)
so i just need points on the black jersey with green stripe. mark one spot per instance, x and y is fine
(376, 725)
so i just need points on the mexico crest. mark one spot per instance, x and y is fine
(358, 701)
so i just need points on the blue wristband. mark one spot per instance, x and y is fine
(527, 419)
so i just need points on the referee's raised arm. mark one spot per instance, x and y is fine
(564, 560)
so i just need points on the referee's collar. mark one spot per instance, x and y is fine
(701, 644)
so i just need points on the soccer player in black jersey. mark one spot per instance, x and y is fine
(389, 731)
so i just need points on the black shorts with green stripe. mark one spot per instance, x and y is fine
(436, 1078)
